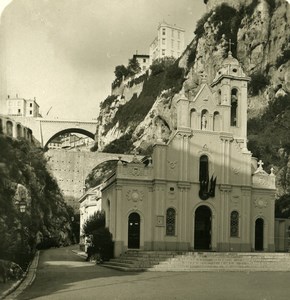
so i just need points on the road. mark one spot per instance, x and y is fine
(64, 275)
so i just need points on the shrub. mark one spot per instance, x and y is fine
(161, 64)
(191, 57)
(258, 82)
(108, 101)
(199, 30)
(282, 207)
(122, 145)
(283, 58)
(96, 221)
(102, 243)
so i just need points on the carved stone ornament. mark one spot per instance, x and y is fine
(260, 202)
(236, 170)
(205, 147)
(172, 164)
(135, 171)
(235, 199)
(160, 221)
(135, 195)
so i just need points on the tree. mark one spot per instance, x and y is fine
(133, 66)
(102, 244)
(94, 222)
(121, 71)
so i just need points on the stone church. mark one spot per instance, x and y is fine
(202, 190)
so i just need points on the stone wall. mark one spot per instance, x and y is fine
(14, 129)
(71, 168)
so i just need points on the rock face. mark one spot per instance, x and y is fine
(260, 31)
(25, 179)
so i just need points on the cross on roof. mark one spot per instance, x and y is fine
(260, 163)
(230, 45)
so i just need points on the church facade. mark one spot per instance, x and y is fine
(202, 190)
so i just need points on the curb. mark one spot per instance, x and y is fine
(79, 253)
(27, 278)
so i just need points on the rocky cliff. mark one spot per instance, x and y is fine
(46, 220)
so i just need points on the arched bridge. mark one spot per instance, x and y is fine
(45, 130)
(49, 129)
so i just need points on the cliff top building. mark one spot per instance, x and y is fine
(143, 61)
(22, 107)
(168, 42)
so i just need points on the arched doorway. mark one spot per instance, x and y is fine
(259, 234)
(202, 228)
(134, 231)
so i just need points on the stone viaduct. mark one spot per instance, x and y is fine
(45, 130)
(14, 129)
(71, 168)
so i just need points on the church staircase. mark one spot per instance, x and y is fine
(139, 261)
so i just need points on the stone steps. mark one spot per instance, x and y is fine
(138, 261)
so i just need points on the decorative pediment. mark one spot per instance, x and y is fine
(261, 179)
(204, 98)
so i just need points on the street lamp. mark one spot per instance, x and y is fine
(22, 209)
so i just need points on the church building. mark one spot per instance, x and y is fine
(203, 190)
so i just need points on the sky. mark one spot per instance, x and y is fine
(64, 52)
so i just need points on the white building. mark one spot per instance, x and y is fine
(168, 42)
(22, 107)
(143, 60)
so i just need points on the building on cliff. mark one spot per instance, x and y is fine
(168, 42)
(203, 190)
(22, 107)
(143, 61)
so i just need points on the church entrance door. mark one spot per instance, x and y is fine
(134, 231)
(259, 235)
(202, 228)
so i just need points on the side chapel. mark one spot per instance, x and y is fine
(202, 190)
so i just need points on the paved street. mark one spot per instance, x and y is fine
(64, 275)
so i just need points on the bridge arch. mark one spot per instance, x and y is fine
(70, 130)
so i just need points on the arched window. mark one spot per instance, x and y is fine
(234, 224)
(204, 120)
(193, 116)
(234, 107)
(203, 168)
(170, 221)
(216, 121)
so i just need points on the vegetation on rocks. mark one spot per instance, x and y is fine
(165, 75)
(259, 81)
(46, 221)
(269, 139)
(122, 72)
